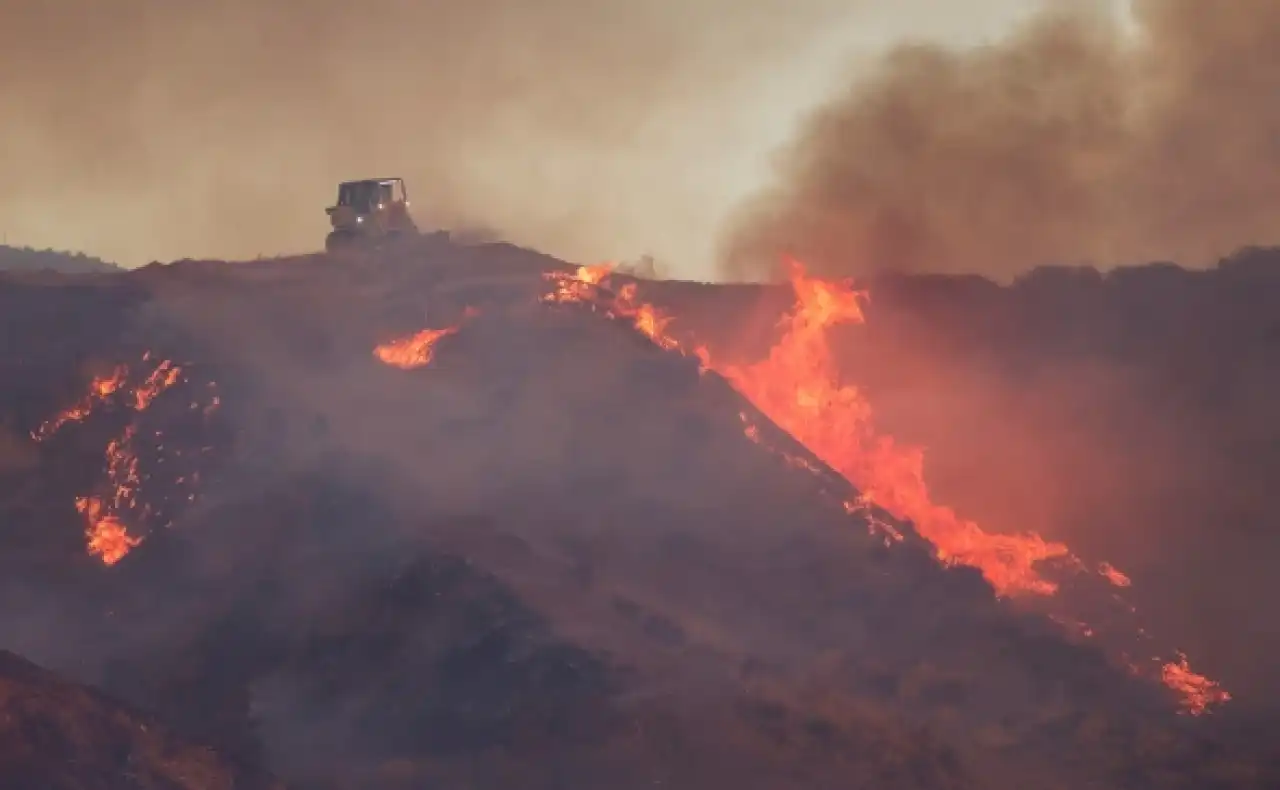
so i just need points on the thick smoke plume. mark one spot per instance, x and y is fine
(150, 129)
(1078, 139)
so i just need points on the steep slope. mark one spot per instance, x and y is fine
(1124, 413)
(550, 551)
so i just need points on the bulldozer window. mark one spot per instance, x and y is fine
(359, 195)
(384, 194)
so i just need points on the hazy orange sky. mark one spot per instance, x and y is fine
(139, 130)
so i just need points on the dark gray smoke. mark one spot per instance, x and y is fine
(1070, 141)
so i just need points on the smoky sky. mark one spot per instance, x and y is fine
(151, 129)
(1073, 140)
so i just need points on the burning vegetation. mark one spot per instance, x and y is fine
(566, 550)
(107, 513)
(414, 351)
(797, 387)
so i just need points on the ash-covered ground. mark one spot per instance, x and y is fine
(548, 557)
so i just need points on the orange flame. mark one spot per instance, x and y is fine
(101, 388)
(586, 286)
(1197, 691)
(414, 351)
(108, 537)
(105, 530)
(797, 387)
(579, 286)
(162, 378)
(1109, 572)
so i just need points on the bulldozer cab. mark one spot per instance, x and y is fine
(371, 208)
(367, 197)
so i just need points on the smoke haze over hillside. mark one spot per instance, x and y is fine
(1069, 141)
(146, 129)
(153, 130)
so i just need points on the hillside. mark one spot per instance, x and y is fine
(1126, 413)
(542, 543)
(27, 259)
(58, 736)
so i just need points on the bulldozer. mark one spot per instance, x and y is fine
(369, 214)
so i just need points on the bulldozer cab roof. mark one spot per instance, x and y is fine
(370, 181)
(364, 194)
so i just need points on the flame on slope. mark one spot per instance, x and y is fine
(108, 538)
(107, 535)
(797, 387)
(584, 286)
(101, 388)
(162, 378)
(417, 350)
(577, 286)
(414, 351)
(1198, 692)
(1114, 576)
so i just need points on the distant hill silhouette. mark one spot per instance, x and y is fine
(28, 259)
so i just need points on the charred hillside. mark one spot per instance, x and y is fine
(440, 520)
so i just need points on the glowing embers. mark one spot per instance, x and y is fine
(101, 388)
(1198, 692)
(107, 534)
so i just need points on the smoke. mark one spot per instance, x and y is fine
(1077, 139)
(15, 454)
(151, 130)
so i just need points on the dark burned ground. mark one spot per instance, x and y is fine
(551, 559)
